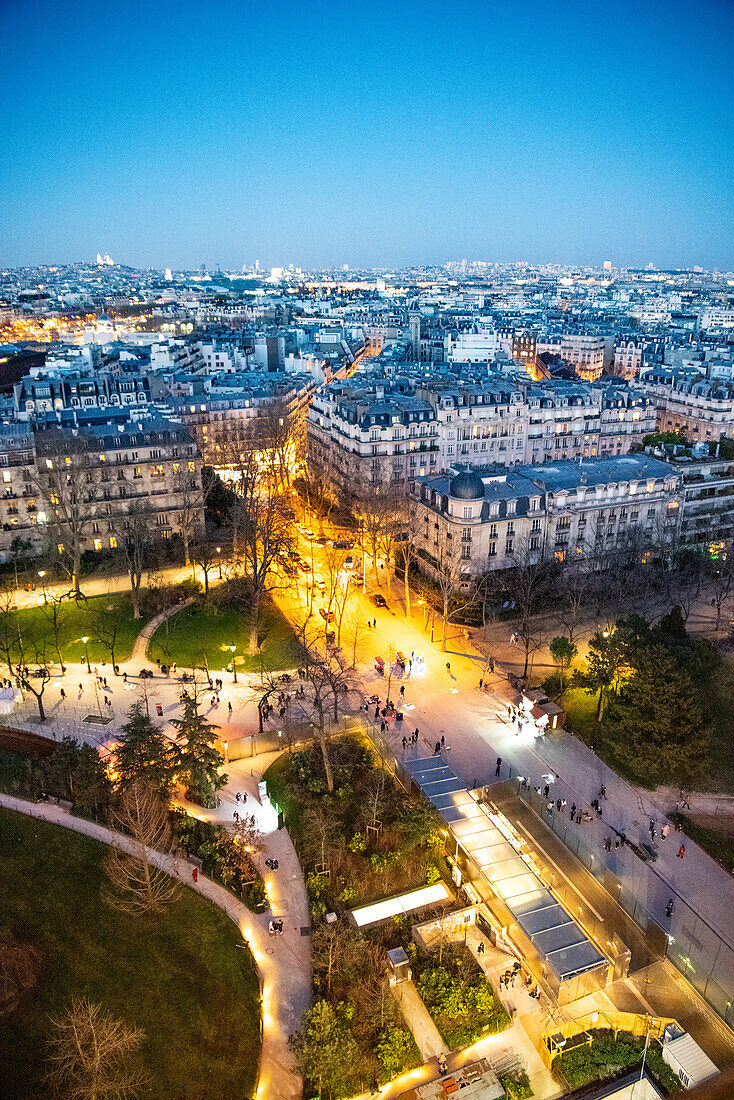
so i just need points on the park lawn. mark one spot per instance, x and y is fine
(194, 637)
(77, 620)
(178, 976)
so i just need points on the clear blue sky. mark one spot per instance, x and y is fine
(172, 133)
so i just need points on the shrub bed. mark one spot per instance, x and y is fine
(213, 845)
(607, 1056)
(459, 999)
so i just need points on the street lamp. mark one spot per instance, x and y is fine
(85, 639)
(232, 649)
(42, 574)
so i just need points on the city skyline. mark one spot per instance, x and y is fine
(381, 140)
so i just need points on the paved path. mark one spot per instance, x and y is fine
(140, 649)
(283, 963)
(426, 1034)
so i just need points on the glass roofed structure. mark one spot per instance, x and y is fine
(507, 877)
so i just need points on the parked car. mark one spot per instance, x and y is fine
(327, 616)
(304, 566)
(289, 569)
(344, 544)
(378, 599)
(349, 561)
(323, 542)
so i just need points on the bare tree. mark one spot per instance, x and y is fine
(20, 965)
(55, 611)
(188, 487)
(133, 532)
(721, 583)
(573, 591)
(136, 885)
(320, 496)
(407, 544)
(377, 506)
(107, 629)
(263, 526)
(456, 586)
(321, 836)
(69, 484)
(528, 583)
(92, 1054)
(204, 555)
(334, 949)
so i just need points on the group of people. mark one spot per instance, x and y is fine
(275, 927)
(272, 864)
(508, 978)
(411, 739)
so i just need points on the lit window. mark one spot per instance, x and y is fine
(192, 467)
(42, 517)
(98, 544)
(60, 547)
(6, 476)
(49, 464)
(113, 542)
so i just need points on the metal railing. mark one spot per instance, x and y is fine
(703, 956)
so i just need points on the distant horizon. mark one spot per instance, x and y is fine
(338, 267)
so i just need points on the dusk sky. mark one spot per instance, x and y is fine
(171, 133)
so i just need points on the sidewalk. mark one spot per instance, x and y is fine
(284, 963)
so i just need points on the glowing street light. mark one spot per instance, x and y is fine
(232, 649)
(219, 552)
(42, 574)
(85, 639)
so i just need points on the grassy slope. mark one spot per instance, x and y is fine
(199, 631)
(78, 621)
(178, 977)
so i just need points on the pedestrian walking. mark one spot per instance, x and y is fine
(602, 791)
(681, 851)
(448, 666)
(573, 810)
(498, 766)
(405, 742)
(664, 831)
(443, 740)
(480, 948)
(686, 803)
(237, 797)
(63, 694)
(415, 735)
(558, 805)
(195, 874)
(402, 690)
(437, 748)
(481, 684)
(546, 788)
(669, 909)
(229, 706)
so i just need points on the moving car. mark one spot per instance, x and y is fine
(343, 544)
(378, 599)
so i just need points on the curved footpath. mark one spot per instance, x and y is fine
(283, 963)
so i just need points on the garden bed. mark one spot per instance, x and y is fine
(459, 999)
(363, 842)
(607, 1056)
